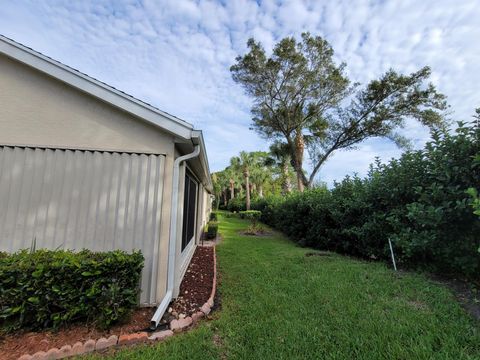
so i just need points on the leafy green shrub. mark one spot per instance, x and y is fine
(236, 205)
(419, 201)
(212, 230)
(475, 200)
(46, 288)
(213, 216)
(473, 192)
(252, 215)
(269, 207)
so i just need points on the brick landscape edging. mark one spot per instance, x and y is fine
(176, 325)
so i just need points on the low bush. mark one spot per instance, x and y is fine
(213, 216)
(419, 201)
(252, 215)
(236, 205)
(212, 230)
(46, 289)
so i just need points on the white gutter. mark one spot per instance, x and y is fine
(172, 242)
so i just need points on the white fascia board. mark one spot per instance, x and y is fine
(96, 88)
(197, 134)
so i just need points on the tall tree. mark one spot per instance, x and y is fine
(217, 189)
(300, 94)
(231, 174)
(280, 154)
(261, 172)
(245, 162)
(220, 187)
(260, 176)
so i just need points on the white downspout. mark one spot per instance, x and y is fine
(172, 242)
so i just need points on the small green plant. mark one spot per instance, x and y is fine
(213, 216)
(212, 229)
(49, 288)
(256, 229)
(475, 203)
(475, 200)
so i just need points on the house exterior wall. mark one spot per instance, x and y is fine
(39, 111)
(75, 199)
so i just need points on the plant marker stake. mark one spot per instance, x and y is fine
(393, 256)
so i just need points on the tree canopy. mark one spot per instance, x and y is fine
(303, 98)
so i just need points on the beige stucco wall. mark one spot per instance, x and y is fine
(37, 110)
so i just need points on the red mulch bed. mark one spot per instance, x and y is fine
(194, 292)
(196, 286)
(14, 345)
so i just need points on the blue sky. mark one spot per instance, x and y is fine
(176, 54)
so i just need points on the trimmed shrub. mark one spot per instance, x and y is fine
(236, 205)
(212, 230)
(252, 215)
(213, 216)
(46, 289)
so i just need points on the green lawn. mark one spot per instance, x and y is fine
(279, 304)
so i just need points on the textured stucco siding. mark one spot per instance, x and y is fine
(37, 109)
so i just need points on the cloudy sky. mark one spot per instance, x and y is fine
(176, 54)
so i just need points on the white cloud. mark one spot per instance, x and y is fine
(176, 54)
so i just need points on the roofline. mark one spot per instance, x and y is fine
(96, 88)
(197, 134)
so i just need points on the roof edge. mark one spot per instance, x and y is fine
(197, 138)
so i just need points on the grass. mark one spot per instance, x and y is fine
(278, 303)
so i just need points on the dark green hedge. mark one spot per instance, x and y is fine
(47, 288)
(212, 230)
(419, 201)
(213, 216)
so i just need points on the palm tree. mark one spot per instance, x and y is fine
(261, 171)
(231, 174)
(281, 156)
(216, 188)
(244, 163)
(220, 187)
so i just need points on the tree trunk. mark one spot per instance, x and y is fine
(247, 186)
(232, 189)
(299, 149)
(224, 197)
(260, 191)
(287, 186)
